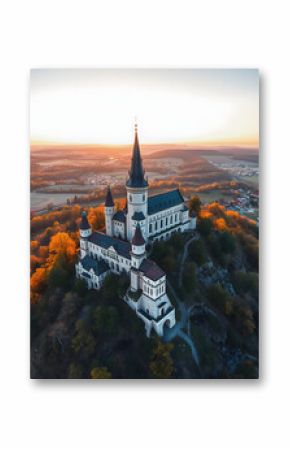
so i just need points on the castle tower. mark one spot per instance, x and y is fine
(138, 254)
(109, 212)
(137, 193)
(85, 232)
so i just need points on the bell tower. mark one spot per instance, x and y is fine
(137, 193)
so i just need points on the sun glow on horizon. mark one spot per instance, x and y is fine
(172, 106)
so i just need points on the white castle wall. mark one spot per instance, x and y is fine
(137, 201)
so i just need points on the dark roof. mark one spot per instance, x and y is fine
(163, 201)
(105, 241)
(138, 216)
(151, 270)
(84, 221)
(138, 239)
(136, 173)
(99, 266)
(119, 216)
(109, 199)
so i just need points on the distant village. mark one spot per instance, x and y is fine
(244, 202)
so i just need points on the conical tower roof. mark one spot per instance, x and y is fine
(138, 239)
(109, 199)
(84, 221)
(136, 173)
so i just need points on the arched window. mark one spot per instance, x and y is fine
(150, 228)
(130, 198)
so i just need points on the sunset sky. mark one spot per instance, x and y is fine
(98, 106)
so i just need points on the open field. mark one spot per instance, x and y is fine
(60, 173)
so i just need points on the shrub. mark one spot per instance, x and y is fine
(220, 299)
(204, 226)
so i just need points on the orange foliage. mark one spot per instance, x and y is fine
(43, 252)
(232, 213)
(120, 203)
(205, 214)
(34, 245)
(38, 280)
(220, 224)
(40, 222)
(96, 217)
(34, 262)
(61, 245)
(216, 209)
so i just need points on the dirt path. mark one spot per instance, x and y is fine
(177, 330)
(183, 258)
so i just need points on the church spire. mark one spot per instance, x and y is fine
(84, 224)
(136, 173)
(109, 199)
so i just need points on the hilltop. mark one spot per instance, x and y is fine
(213, 285)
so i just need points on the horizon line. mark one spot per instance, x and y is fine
(254, 144)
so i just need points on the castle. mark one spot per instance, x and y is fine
(122, 249)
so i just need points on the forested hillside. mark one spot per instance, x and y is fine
(77, 333)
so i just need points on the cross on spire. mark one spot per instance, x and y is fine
(136, 125)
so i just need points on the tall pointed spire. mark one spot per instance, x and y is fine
(136, 173)
(109, 199)
(84, 224)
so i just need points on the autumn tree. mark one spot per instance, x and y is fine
(220, 224)
(83, 341)
(100, 373)
(194, 204)
(204, 226)
(74, 371)
(161, 366)
(34, 245)
(216, 209)
(220, 299)
(61, 247)
(38, 282)
(96, 217)
(34, 262)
